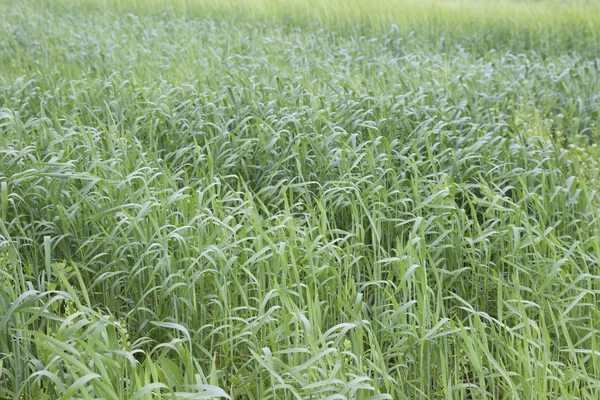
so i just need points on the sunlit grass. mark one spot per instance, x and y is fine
(547, 27)
(303, 200)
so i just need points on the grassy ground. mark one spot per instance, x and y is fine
(299, 200)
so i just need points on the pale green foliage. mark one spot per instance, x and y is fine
(204, 201)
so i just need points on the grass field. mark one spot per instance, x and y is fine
(268, 199)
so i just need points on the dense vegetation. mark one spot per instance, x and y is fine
(299, 200)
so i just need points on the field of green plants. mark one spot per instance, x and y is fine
(320, 199)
